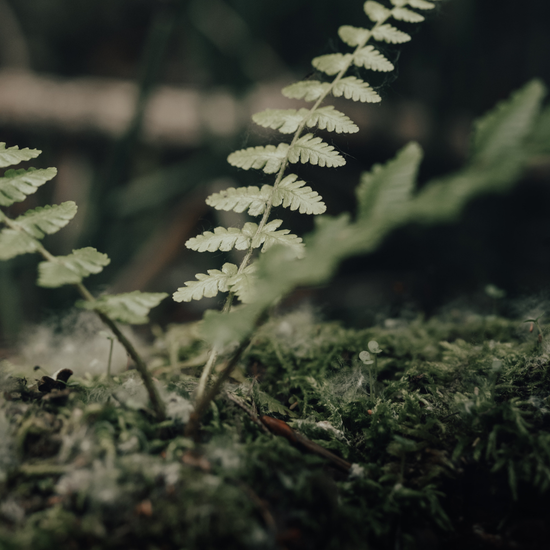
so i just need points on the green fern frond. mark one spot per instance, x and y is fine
(328, 118)
(385, 189)
(269, 236)
(355, 89)
(223, 239)
(14, 242)
(242, 284)
(241, 198)
(315, 151)
(388, 33)
(71, 269)
(372, 59)
(14, 155)
(292, 193)
(409, 16)
(131, 307)
(353, 36)
(268, 158)
(376, 12)
(206, 286)
(284, 120)
(308, 90)
(15, 185)
(418, 4)
(332, 63)
(47, 219)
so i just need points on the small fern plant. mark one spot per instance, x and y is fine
(24, 234)
(287, 189)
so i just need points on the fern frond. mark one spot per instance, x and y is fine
(14, 242)
(131, 307)
(419, 4)
(269, 236)
(308, 90)
(223, 239)
(240, 198)
(387, 33)
(328, 118)
(268, 158)
(386, 189)
(242, 284)
(376, 12)
(206, 285)
(15, 185)
(284, 120)
(409, 16)
(293, 194)
(71, 269)
(353, 36)
(315, 151)
(47, 219)
(14, 155)
(355, 89)
(372, 59)
(332, 63)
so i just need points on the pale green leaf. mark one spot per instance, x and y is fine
(269, 236)
(387, 33)
(403, 14)
(223, 239)
(308, 90)
(332, 63)
(501, 132)
(242, 284)
(386, 189)
(328, 118)
(376, 12)
(284, 120)
(315, 151)
(371, 58)
(131, 307)
(71, 269)
(15, 185)
(206, 286)
(14, 155)
(356, 89)
(14, 242)
(268, 158)
(399, 3)
(241, 198)
(420, 4)
(47, 220)
(353, 36)
(292, 193)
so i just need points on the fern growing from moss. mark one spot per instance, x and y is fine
(287, 190)
(24, 234)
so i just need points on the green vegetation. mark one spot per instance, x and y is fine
(438, 434)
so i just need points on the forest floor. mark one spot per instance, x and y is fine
(443, 442)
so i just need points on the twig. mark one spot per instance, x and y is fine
(249, 411)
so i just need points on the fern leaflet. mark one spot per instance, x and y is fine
(14, 155)
(292, 193)
(207, 285)
(356, 89)
(47, 219)
(241, 198)
(15, 185)
(315, 151)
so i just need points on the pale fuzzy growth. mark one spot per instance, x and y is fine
(78, 343)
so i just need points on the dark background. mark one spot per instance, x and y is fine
(140, 190)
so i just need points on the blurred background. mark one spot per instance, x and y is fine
(139, 102)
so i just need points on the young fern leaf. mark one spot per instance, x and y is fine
(315, 151)
(223, 239)
(372, 59)
(131, 307)
(207, 286)
(268, 158)
(387, 33)
(14, 155)
(308, 90)
(46, 219)
(15, 185)
(242, 198)
(376, 12)
(355, 89)
(14, 242)
(71, 269)
(292, 193)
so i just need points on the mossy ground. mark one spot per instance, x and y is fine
(452, 449)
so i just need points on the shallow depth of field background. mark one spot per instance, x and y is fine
(139, 102)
